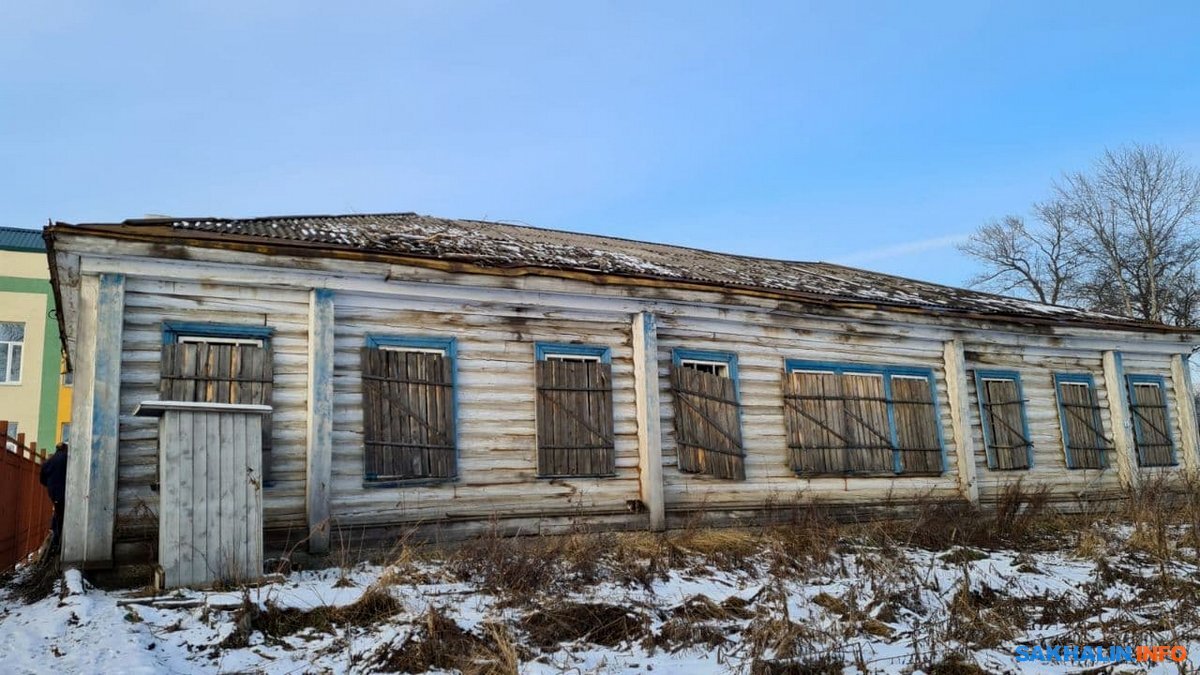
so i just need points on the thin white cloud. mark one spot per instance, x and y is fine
(900, 250)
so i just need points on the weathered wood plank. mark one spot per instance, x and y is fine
(954, 364)
(1152, 430)
(209, 507)
(204, 444)
(408, 420)
(575, 425)
(320, 418)
(707, 424)
(1185, 407)
(170, 482)
(79, 464)
(192, 435)
(254, 502)
(649, 420)
(227, 516)
(243, 524)
(104, 409)
(1122, 425)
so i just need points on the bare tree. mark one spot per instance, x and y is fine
(1122, 238)
(1038, 261)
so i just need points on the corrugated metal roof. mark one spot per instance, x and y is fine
(502, 245)
(20, 239)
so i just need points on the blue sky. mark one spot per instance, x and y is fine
(875, 134)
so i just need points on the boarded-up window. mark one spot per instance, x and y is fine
(1002, 413)
(1083, 433)
(574, 412)
(408, 413)
(708, 431)
(1151, 424)
(220, 370)
(841, 421)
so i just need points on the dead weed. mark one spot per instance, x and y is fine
(594, 622)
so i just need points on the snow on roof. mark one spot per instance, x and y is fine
(503, 245)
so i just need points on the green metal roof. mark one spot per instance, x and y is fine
(21, 239)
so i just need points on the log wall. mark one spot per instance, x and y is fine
(496, 322)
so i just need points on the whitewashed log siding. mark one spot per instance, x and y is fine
(495, 395)
(1036, 369)
(150, 302)
(496, 320)
(762, 347)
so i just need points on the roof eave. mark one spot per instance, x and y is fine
(158, 230)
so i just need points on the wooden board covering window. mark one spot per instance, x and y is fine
(708, 431)
(220, 373)
(1085, 439)
(1148, 407)
(1004, 423)
(408, 415)
(838, 423)
(917, 437)
(574, 418)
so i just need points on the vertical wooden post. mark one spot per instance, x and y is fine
(960, 418)
(1118, 408)
(78, 464)
(1185, 405)
(649, 418)
(320, 417)
(92, 464)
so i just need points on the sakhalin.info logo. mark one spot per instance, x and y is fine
(1100, 654)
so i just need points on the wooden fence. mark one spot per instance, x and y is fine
(25, 509)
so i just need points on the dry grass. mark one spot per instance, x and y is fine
(1020, 518)
(526, 567)
(955, 664)
(594, 622)
(984, 619)
(827, 664)
(375, 605)
(541, 586)
(439, 642)
(703, 608)
(37, 581)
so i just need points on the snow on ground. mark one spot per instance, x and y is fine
(876, 610)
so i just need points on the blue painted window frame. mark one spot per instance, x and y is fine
(1132, 379)
(543, 349)
(681, 354)
(980, 376)
(172, 330)
(1078, 378)
(887, 372)
(450, 347)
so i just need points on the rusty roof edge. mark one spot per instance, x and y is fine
(141, 229)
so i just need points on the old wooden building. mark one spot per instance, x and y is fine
(442, 374)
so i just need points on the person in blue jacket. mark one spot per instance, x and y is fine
(54, 477)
